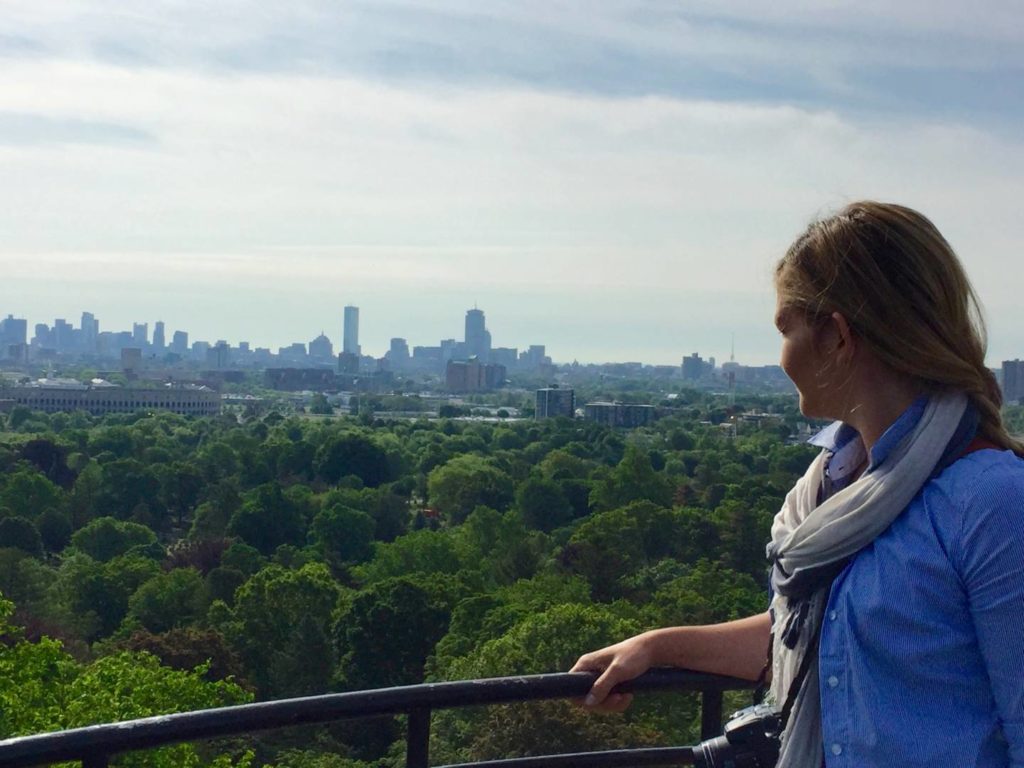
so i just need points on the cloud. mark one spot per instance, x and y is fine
(599, 171)
(24, 129)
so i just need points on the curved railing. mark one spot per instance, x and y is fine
(95, 744)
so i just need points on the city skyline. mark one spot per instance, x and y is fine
(616, 179)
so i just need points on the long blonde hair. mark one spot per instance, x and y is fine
(902, 289)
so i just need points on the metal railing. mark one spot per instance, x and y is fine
(95, 744)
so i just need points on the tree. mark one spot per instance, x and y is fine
(418, 552)
(633, 479)
(708, 594)
(466, 482)
(169, 600)
(320, 405)
(543, 505)
(105, 538)
(268, 609)
(50, 459)
(353, 454)
(26, 493)
(267, 519)
(128, 484)
(19, 533)
(541, 642)
(343, 533)
(186, 649)
(54, 530)
(85, 495)
(97, 593)
(390, 628)
(181, 484)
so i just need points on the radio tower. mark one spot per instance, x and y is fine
(732, 371)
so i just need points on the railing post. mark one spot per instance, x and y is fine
(96, 760)
(710, 714)
(417, 740)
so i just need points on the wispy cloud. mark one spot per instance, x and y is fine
(24, 129)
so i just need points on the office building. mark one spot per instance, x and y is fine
(63, 335)
(473, 376)
(694, 368)
(321, 348)
(398, 355)
(90, 333)
(140, 335)
(350, 336)
(179, 343)
(1013, 380)
(13, 330)
(478, 338)
(159, 341)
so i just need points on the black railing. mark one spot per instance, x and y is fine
(95, 744)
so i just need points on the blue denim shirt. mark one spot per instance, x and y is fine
(922, 649)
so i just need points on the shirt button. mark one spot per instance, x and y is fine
(833, 681)
(836, 749)
(832, 616)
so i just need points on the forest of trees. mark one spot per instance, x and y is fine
(152, 563)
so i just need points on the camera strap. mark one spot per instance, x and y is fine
(810, 655)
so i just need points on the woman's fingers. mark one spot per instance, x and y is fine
(603, 686)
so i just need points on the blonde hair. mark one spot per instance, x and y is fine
(902, 289)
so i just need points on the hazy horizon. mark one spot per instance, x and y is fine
(614, 182)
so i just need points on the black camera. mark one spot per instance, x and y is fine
(751, 740)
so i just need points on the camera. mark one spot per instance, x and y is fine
(751, 740)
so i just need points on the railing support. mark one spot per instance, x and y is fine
(96, 760)
(710, 714)
(417, 747)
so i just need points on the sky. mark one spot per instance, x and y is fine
(612, 179)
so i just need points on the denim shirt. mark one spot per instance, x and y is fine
(922, 648)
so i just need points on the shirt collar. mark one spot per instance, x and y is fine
(838, 434)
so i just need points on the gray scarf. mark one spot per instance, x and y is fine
(811, 543)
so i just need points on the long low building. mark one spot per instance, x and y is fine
(627, 415)
(106, 398)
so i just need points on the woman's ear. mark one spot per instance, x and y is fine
(844, 340)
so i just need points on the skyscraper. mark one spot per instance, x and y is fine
(159, 341)
(90, 332)
(179, 343)
(140, 334)
(478, 339)
(351, 334)
(13, 330)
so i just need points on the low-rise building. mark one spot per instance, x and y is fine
(555, 401)
(100, 398)
(627, 415)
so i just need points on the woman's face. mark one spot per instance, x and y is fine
(803, 361)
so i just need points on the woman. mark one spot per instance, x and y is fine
(898, 559)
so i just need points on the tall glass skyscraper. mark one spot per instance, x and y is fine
(350, 343)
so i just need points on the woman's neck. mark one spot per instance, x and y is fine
(877, 405)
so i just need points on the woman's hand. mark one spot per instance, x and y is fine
(616, 663)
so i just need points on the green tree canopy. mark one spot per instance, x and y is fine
(105, 538)
(466, 482)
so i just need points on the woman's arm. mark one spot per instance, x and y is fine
(737, 648)
(992, 568)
